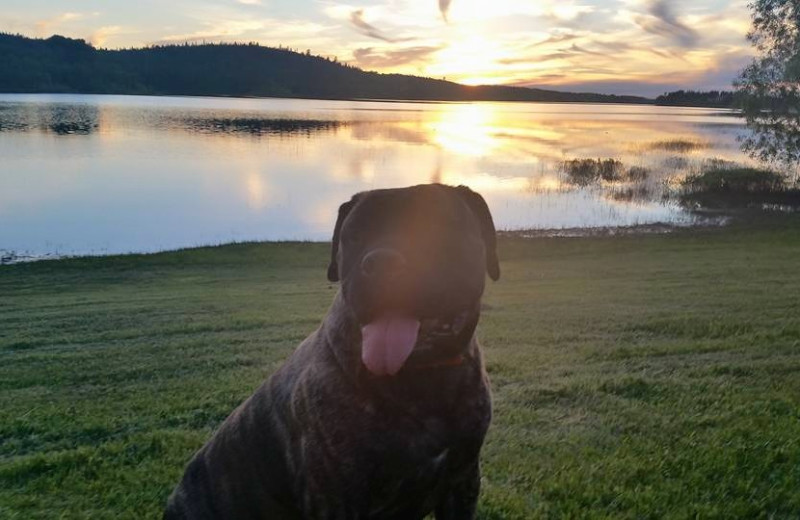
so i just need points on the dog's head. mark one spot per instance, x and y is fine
(412, 264)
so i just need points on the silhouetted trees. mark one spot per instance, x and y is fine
(693, 98)
(60, 64)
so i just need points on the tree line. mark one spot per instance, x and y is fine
(64, 65)
(694, 98)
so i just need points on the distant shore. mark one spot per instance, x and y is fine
(66, 65)
(647, 102)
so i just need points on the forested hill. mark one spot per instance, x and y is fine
(63, 65)
(692, 98)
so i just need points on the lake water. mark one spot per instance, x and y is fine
(109, 174)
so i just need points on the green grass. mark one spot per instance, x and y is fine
(634, 377)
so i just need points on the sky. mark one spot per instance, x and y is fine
(643, 47)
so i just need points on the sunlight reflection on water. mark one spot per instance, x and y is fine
(107, 174)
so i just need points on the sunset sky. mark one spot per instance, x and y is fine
(619, 46)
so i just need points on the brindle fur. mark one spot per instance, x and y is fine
(321, 439)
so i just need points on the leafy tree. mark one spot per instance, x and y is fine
(768, 91)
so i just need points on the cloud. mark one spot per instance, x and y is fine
(101, 35)
(370, 58)
(716, 74)
(602, 50)
(444, 8)
(616, 47)
(217, 31)
(569, 12)
(269, 31)
(577, 49)
(556, 38)
(364, 27)
(662, 21)
(47, 26)
(488, 41)
(537, 59)
(357, 19)
(724, 69)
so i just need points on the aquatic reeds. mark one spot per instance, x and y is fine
(584, 172)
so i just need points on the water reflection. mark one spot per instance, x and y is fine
(253, 126)
(466, 130)
(115, 174)
(57, 119)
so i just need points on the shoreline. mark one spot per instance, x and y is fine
(649, 102)
(656, 228)
(652, 103)
(10, 257)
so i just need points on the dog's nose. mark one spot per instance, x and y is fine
(385, 263)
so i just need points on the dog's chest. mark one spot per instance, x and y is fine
(381, 452)
(383, 466)
(412, 492)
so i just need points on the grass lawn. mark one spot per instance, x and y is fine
(634, 377)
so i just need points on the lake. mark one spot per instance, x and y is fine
(90, 174)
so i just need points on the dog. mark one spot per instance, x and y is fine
(381, 413)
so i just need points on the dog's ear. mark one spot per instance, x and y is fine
(333, 267)
(481, 211)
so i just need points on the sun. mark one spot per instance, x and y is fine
(471, 60)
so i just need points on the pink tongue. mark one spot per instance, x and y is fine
(387, 342)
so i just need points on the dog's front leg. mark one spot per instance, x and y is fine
(460, 502)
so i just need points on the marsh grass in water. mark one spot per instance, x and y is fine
(724, 184)
(638, 174)
(585, 172)
(258, 126)
(679, 145)
(638, 193)
(752, 180)
(634, 377)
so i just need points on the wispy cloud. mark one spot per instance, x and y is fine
(270, 31)
(567, 12)
(555, 38)
(99, 37)
(366, 28)
(47, 26)
(217, 31)
(371, 58)
(535, 59)
(663, 21)
(444, 8)
(602, 50)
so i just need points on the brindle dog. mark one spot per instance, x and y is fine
(380, 413)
